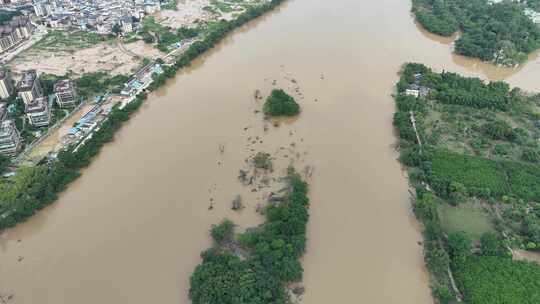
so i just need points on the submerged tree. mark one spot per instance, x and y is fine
(280, 103)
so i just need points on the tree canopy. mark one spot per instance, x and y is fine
(273, 252)
(497, 32)
(280, 103)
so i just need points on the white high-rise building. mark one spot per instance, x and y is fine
(6, 84)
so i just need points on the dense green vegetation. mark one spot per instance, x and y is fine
(4, 163)
(534, 4)
(273, 252)
(498, 32)
(479, 142)
(171, 5)
(90, 84)
(491, 279)
(69, 41)
(222, 232)
(479, 175)
(280, 103)
(34, 188)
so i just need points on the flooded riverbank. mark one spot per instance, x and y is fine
(130, 230)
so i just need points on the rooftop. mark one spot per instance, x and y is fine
(39, 105)
(27, 80)
(63, 85)
(6, 126)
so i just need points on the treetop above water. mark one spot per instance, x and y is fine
(280, 103)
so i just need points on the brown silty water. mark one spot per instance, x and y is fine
(130, 230)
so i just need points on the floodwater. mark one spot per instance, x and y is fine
(131, 228)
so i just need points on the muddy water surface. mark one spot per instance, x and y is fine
(131, 229)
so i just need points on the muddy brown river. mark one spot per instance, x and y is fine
(130, 230)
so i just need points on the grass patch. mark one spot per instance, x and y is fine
(466, 217)
(69, 41)
(172, 5)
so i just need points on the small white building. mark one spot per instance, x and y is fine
(412, 92)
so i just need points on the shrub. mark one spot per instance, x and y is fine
(222, 232)
(443, 294)
(262, 160)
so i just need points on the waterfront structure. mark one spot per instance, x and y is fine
(6, 84)
(29, 87)
(39, 112)
(14, 32)
(65, 94)
(10, 139)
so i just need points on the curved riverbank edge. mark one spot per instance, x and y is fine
(39, 186)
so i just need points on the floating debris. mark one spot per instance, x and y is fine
(237, 203)
(257, 94)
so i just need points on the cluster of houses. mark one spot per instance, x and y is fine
(37, 106)
(99, 16)
(416, 89)
(14, 32)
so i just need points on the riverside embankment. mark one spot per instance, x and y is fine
(131, 228)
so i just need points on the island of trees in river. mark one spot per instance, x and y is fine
(496, 32)
(473, 154)
(280, 103)
(255, 266)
